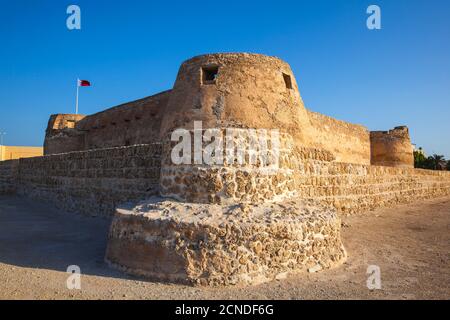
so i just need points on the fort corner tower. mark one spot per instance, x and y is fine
(237, 90)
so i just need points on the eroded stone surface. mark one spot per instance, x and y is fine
(209, 244)
(267, 176)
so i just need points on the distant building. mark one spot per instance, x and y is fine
(16, 152)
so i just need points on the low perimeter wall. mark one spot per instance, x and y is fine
(91, 182)
(355, 188)
(96, 181)
(8, 176)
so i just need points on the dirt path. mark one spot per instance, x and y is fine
(410, 244)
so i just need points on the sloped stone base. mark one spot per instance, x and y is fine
(217, 245)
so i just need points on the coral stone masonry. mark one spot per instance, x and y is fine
(228, 222)
(224, 245)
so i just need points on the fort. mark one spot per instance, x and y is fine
(243, 90)
(228, 223)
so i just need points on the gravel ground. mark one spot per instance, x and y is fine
(410, 244)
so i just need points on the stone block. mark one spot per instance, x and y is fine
(208, 244)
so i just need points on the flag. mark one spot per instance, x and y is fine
(80, 83)
(84, 83)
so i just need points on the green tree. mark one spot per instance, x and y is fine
(434, 162)
(438, 162)
(419, 159)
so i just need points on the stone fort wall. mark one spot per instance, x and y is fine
(61, 135)
(91, 182)
(306, 173)
(136, 122)
(8, 176)
(348, 142)
(354, 188)
(96, 181)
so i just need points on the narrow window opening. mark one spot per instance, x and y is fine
(70, 124)
(209, 74)
(287, 80)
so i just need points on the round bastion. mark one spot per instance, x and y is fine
(236, 90)
(392, 148)
(266, 177)
(238, 221)
(220, 245)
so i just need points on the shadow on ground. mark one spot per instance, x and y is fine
(36, 235)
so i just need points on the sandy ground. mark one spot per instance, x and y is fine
(410, 244)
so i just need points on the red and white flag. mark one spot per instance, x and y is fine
(83, 83)
(80, 83)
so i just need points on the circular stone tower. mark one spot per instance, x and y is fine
(392, 148)
(232, 221)
(237, 90)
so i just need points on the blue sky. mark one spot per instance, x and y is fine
(399, 75)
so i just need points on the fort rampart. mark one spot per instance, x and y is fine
(91, 182)
(348, 142)
(95, 181)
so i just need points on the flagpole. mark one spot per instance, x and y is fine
(78, 89)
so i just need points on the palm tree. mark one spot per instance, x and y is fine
(438, 162)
